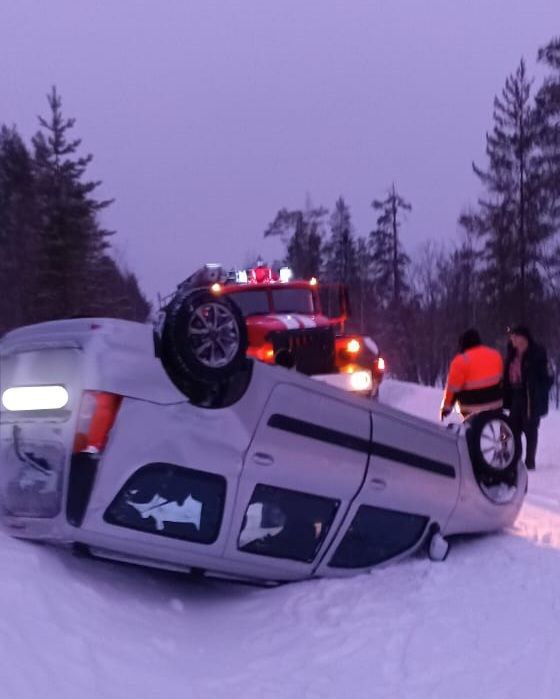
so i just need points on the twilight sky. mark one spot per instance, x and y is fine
(205, 117)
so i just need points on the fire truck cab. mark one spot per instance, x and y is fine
(297, 323)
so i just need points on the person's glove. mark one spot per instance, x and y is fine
(444, 412)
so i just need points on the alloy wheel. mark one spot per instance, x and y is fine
(497, 444)
(214, 335)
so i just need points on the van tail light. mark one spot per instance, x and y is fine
(98, 411)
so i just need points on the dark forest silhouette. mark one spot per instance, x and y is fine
(55, 257)
(504, 270)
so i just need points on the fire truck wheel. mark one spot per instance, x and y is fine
(203, 340)
(493, 448)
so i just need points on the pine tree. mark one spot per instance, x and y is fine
(339, 251)
(510, 219)
(71, 239)
(391, 302)
(389, 261)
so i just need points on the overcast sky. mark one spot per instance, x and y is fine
(206, 117)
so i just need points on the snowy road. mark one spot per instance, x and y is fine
(483, 624)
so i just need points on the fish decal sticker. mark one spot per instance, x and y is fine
(163, 510)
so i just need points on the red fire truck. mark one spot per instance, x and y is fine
(297, 323)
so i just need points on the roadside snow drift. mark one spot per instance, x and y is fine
(483, 624)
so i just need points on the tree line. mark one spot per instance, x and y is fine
(503, 269)
(55, 257)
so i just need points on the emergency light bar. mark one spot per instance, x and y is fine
(285, 274)
(20, 398)
(262, 275)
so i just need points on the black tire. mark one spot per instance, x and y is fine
(494, 450)
(201, 340)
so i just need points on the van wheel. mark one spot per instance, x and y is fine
(201, 340)
(493, 448)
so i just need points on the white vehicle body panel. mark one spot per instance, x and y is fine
(288, 435)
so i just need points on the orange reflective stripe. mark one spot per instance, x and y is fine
(483, 383)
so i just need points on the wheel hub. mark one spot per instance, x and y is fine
(497, 444)
(213, 335)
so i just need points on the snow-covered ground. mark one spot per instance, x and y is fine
(486, 623)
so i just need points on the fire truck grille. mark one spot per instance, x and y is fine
(312, 348)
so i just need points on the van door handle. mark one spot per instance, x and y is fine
(262, 459)
(378, 484)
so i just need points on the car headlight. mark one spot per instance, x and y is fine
(20, 398)
(360, 381)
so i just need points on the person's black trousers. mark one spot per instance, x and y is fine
(522, 424)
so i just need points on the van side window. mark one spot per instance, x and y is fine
(376, 535)
(286, 523)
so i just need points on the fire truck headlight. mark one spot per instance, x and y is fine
(361, 381)
(353, 346)
(35, 398)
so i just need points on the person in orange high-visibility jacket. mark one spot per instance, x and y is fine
(475, 378)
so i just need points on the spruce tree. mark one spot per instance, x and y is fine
(339, 251)
(510, 219)
(71, 238)
(389, 261)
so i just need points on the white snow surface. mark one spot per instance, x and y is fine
(485, 623)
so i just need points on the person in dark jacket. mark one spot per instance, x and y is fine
(526, 387)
